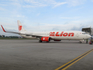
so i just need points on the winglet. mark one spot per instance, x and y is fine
(3, 28)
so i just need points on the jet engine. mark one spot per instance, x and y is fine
(47, 39)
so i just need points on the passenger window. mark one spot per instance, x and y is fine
(84, 33)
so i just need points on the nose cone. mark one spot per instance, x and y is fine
(89, 36)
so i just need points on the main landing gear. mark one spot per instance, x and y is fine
(81, 41)
(40, 41)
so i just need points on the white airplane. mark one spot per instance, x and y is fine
(47, 36)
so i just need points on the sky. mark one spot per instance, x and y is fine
(46, 15)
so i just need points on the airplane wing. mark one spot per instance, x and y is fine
(9, 31)
(38, 36)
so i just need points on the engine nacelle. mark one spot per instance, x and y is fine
(47, 39)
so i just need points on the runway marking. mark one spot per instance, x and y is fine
(68, 64)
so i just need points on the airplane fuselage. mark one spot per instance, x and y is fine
(62, 35)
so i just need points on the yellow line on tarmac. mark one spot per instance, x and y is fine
(68, 64)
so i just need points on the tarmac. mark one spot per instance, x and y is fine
(32, 55)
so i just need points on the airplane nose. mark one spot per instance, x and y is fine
(89, 36)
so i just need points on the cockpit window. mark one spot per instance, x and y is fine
(84, 33)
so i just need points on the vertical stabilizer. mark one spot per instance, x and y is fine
(20, 27)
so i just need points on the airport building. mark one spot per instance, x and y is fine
(88, 30)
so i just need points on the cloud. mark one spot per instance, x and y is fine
(38, 14)
(16, 4)
(3, 5)
(58, 4)
(67, 26)
(70, 17)
(28, 6)
(75, 2)
(33, 3)
(2, 9)
(20, 16)
(42, 3)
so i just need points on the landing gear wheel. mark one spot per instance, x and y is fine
(80, 42)
(47, 41)
(40, 41)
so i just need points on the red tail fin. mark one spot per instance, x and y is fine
(20, 27)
